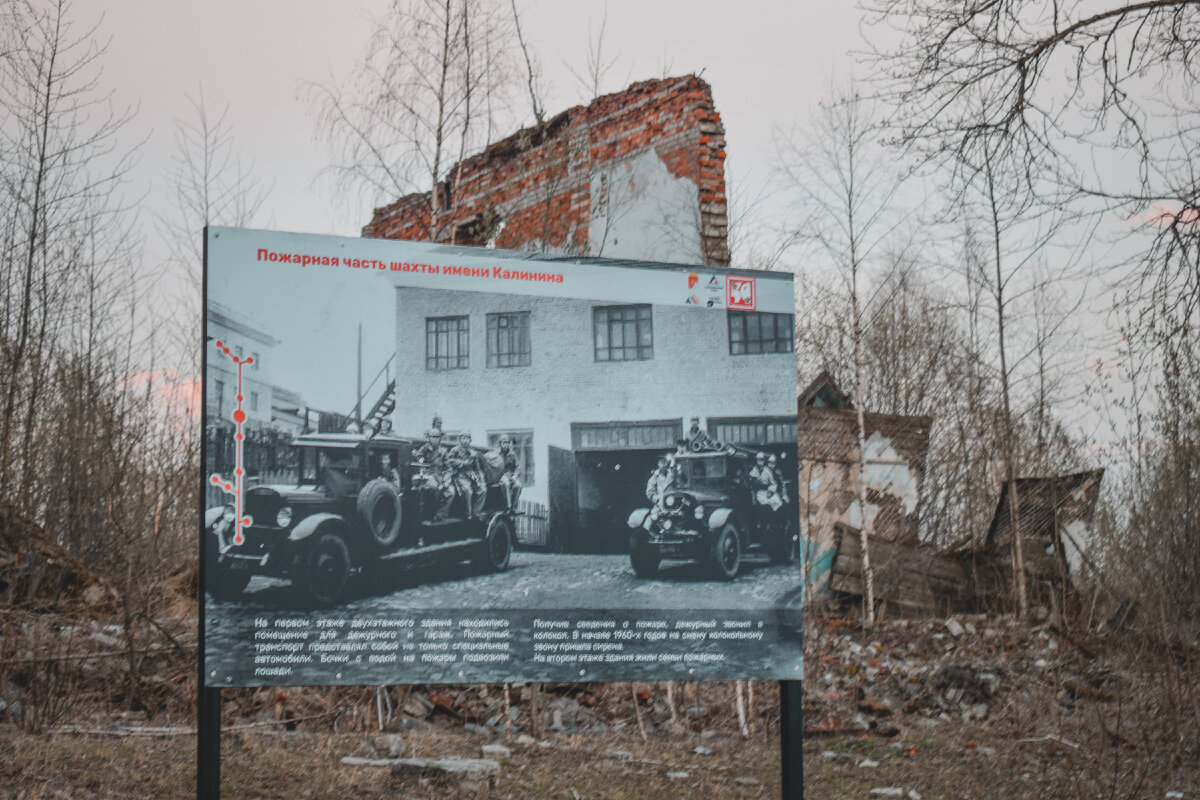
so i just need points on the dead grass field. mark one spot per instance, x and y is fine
(949, 762)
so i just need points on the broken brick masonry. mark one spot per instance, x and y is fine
(635, 174)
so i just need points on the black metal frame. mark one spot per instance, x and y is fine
(208, 701)
(791, 741)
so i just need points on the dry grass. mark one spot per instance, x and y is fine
(947, 761)
(304, 765)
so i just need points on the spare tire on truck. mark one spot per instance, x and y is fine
(379, 507)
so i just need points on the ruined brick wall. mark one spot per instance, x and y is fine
(636, 174)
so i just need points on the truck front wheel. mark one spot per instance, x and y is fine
(644, 557)
(324, 574)
(727, 553)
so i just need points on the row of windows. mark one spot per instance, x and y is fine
(619, 333)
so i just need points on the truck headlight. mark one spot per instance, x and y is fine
(671, 501)
(699, 512)
(284, 517)
(667, 524)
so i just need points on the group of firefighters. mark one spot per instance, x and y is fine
(767, 488)
(462, 471)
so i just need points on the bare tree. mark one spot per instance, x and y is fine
(532, 73)
(435, 76)
(970, 89)
(209, 185)
(59, 169)
(995, 218)
(1089, 104)
(592, 76)
(1014, 268)
(848, 190)
(89, 441)
(1015, 55)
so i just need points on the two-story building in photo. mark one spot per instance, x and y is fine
(592, 391)
(245, 341)
(273, 414)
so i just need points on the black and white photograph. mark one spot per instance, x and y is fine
(448, 462)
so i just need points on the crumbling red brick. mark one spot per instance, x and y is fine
(539, 179)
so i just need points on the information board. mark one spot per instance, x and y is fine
(432, 463)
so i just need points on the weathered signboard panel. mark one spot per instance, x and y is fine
(443, 464)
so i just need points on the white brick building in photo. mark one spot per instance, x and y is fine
(592, 390)
(246, 341)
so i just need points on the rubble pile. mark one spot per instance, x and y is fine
(961, 669)
(64, 646)
(60, 669)
(39, 575)
(592, 709)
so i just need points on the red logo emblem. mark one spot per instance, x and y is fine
(692, 278)
(739, 293)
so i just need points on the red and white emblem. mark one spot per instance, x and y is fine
(739, 293)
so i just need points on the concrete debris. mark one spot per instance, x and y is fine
(390, 743)
(417, 705)
(495, 750)
(473, 769)
(678, 775)
(929, 672)
(979, 711)
(463, 769)
(701, 750)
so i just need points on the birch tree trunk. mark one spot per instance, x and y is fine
(1010, 467)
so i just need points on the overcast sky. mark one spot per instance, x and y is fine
(766, 61)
